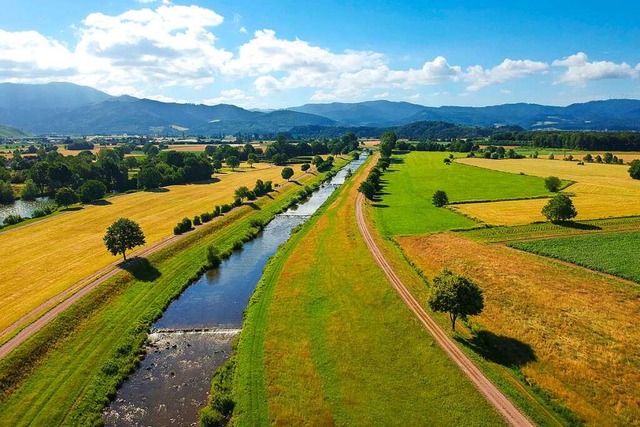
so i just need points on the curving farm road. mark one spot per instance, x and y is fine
(503, 405)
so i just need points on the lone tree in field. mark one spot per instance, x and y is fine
(251, 159)
(634, 170)
(440, 199)
(456, 295)
(287, 173)
(560, 209)
(305, 167)
(122, 235)
(552, 183)
(65, 196)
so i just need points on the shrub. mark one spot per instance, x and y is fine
(552, 183)
(196, 220)
(206, 216)
(65, 196)
(213, 256)
(44, 211)
(13, 219)
(305, 167)
(110, 368)
(551, 156)
(210, 417)
(183, 226)
(29, 191)
(634, 170)
(217, 211)
(237, 201)
(257, 223)
(440, 199)
(6, 193)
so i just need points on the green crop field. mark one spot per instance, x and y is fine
(65, 374)
(613, 253)
(406, 208)
(332, 343)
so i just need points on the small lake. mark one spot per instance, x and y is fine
(193, 337)
(23, 208)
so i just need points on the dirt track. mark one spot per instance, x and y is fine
(510, 413)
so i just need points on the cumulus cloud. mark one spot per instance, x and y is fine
(28, 56)
(508, 70)
(580, 71)
(230, 96)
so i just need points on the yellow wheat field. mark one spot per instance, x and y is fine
(601, 191)
(581, 327)
(44, 258)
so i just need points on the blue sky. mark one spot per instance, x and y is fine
(273, 54)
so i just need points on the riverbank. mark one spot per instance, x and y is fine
(70, 370)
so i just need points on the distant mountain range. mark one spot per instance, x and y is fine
(68, 109)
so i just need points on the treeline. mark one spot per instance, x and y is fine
(590, 141)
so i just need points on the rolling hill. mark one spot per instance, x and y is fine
(64, 108)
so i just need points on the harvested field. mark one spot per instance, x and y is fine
(601, 191)
(44, 258)
(571, 332)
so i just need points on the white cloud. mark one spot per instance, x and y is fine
(382, 95)
(28, 56)
(231, 96)
(168, 46)
(505, 91)
(243, 30)
(508, 70)
(580, 70)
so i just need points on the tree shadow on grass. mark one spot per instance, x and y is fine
(101, 203)
(253, 206)
(505, 351)
(76, 208)
(141, 269)
(578, 225)
(207, 181)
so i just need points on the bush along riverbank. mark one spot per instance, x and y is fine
(96, 344)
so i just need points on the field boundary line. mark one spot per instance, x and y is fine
(494, 396)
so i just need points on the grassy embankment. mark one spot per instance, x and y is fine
(327, 340)
(72, 241)
(613, 253)
(543, 336)
(600, 191)
(420, 174)
(67, 372)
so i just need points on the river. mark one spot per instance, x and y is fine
(193, 337)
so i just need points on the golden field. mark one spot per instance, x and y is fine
(601, 191)
(44, 258)
(587, 359)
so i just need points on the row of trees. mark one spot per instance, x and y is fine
(613, 141)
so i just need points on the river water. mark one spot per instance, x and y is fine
(23, 208)
(194, 335)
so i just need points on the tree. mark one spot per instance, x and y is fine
(233, 162)
(29, 191)
(279, 159)
(367, 189)
(305, 167)
(388, 143)
(6, 193)
(552, 183)
(65, 196)
(560, 208)
(588, 158)
(287, 173)
(91, 190)
(634, 170)
(216, 165)
(456, 295)
(242, 192)
(122, 235)
(608, 158)
(40, 175)
(440, 199)
(149, 177)
(252, 158)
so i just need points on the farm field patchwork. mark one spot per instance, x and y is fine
(63, 374)
(44, 258)
(601, 191)
(406, 206)
(613, 253)
(546, 319)
(332, 343)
